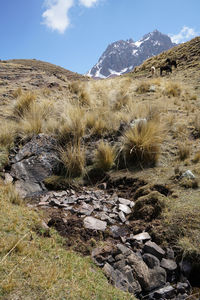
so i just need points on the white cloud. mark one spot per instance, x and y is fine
(56, 14)
(184, 35)
(88, 3)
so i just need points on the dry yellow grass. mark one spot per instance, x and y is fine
(18, 92)
(105, 156)
(143, 87)
(7, 135)
(24, 102)
(172, 89)
(141, 144)
(184, 149)
(73, 160)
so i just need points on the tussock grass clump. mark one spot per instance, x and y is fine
(172, 89)
(71, 127)
(196, 125)
(18, 92)
(184, 150)
(31, 123)
(24, 103)
(84, 98)
(75, 87)
(36, 119)
(104, 156)
(143, 87)
(3, 157)
(99, 123)
(196, 157)
(7, 135)
(56, 182)
(141, 144)
(73, 160)
(121, 101)
(11, 194)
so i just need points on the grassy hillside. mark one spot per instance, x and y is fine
(91, 123)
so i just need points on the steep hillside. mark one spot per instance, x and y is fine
(187, 57)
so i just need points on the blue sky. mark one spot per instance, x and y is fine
(74, 33)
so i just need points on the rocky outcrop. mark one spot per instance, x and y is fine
(35, 161)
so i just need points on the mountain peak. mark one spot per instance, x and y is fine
(122, 56)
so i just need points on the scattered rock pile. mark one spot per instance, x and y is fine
(132, 263)
(97, 208)
(143, 268)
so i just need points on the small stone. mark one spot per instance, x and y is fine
(86, 209)
(188, 174)
(42, 203)
(118, 231)
(132, 204)
(45, 198)
(140, 270)
(152, 88)
(119, 257)
(182, 287)
(123, 249)
(124, 201)
(158, 278)
(170, 253)
(168, 264)
(124, 208)
(151, 260)
(122, 217)
(96, 205)
(120, 264)
(165, 292)
(141, 236)
(108, 270)
(55, 202)
(154, 249)
(70, 200)
(95, 224)
(123, 239)
(114, 216)
(8, 178)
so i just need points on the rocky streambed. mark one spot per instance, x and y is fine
(132, 262)
(121, 214)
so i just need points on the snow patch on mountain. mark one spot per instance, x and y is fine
(122, 56)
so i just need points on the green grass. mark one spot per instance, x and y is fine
(36, 267)
(182, 223)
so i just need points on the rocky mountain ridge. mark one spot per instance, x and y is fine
(122, 56)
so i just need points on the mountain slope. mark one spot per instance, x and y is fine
(49, 68)
(187, 56)
(122, 56)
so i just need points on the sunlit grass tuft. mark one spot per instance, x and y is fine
(104, 156)
(142, 143)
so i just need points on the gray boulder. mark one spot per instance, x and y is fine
(94, 224)
(154, 249)
(140, 270)
(35, 161)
